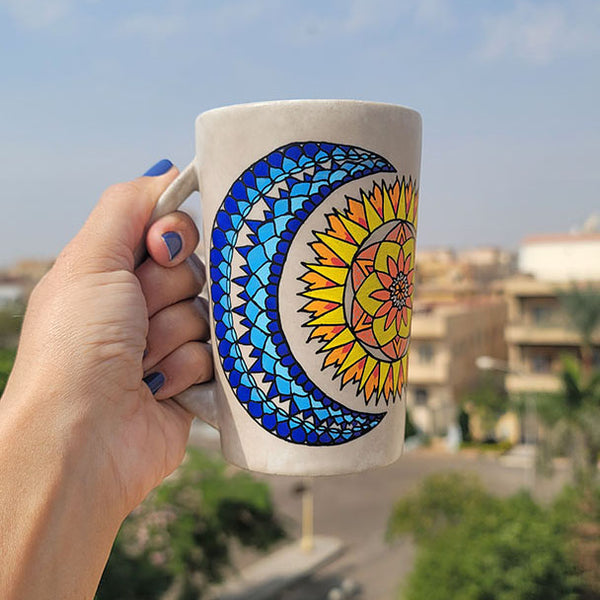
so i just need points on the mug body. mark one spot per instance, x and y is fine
(309, 220)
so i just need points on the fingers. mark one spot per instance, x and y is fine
(165, 286)
(172, 239)
(172, 327)
(116, 226)
(188, 364)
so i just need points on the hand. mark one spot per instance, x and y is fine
(79, 394)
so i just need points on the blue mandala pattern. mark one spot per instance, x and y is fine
(291, 182)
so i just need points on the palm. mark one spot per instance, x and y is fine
(573, 418)
(148, 439)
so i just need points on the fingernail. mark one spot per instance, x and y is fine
(160, 168)
(154, 381)
(173, 242)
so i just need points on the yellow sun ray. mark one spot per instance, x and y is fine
(358, 232)
(334, 274)
(343, 338)
(353, 356)
(389, 214)
(344, 250)
(334, 317)
(373, 218)
(331, 294)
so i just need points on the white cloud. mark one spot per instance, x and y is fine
(37, 14)
(541, 32)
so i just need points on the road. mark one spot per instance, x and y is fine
(355, 508)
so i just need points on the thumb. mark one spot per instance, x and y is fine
(116, 226)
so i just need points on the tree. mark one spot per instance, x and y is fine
(11, 320)
(181, 536)
(572, 419)
(7, 358)
(476, 547)
(488, 401)
(582, 306)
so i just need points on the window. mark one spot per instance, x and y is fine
(425, 352)
(421, 396)
(541, 363)
(541, 315)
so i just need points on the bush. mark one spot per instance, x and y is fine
(182, 534)
(11, 320)
(473, 546)
(7, 358)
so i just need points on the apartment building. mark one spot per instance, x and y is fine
(538, 331)
(538, 334)
(446, 339)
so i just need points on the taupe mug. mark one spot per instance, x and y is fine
(309, 211)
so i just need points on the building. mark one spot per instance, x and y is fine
(445, 341)
(445, 275)
(561, 258)
(538, 334)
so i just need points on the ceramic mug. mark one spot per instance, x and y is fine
(309, 211)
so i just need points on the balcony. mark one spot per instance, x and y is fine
(427, 326)
(517, 383)
(427, 374)
(551, 334)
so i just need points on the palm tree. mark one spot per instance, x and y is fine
(572, 417)
(582, 305)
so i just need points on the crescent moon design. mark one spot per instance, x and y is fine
(271, 385)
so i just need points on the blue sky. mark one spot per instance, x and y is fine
(95, 92)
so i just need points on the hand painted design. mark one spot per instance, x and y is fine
(360, 289)
(282, 189)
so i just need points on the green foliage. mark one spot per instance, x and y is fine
(11, 320)
(572, 419)
(488, 401)
(183, 533)
(582, 306)
(409, 427)
(473, 546)
(7, 358)
(441, 501)
(464, 424)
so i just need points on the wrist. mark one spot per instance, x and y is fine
(52, 519)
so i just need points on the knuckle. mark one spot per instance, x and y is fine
(124, 188)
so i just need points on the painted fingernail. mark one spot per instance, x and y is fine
(173, 242)
(154, 381)
(160, 168)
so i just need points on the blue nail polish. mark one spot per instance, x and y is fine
(173, 242)
(154, 381)
(160, 168)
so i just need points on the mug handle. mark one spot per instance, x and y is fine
(200, 400)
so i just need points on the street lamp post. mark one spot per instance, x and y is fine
(304, 490)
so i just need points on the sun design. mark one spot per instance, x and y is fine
(360, 289)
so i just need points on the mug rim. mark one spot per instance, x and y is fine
(307, 101)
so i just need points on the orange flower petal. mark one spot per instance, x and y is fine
(383, 309)
(384, 278)
(382, 295)
(392, 267)
(391, 317)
